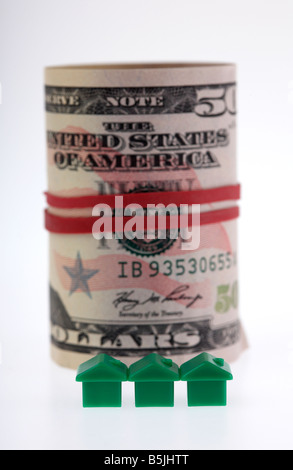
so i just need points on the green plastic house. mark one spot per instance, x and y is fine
(206, 378)
(154, 378)
(101, 378)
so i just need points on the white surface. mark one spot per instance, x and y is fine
(41, 408)
(40, 403)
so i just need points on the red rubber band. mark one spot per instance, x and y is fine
(200, 196)
(84, 225)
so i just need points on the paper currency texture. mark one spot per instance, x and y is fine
(138, 129)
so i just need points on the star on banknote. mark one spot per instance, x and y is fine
(79, 276)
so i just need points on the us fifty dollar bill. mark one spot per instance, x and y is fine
(134, 129)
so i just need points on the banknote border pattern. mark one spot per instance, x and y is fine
(166, 100)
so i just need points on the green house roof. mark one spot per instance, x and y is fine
(153, 368)
(205, 367)
(102, 368)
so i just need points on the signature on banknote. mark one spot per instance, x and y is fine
(126, 300)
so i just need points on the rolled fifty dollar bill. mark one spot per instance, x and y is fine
(142, 134)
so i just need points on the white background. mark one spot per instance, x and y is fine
(40, 403)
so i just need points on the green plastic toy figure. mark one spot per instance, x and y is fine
(154, 378)
(206, 378)
(101, 378)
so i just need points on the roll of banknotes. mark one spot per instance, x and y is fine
(146, 133)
